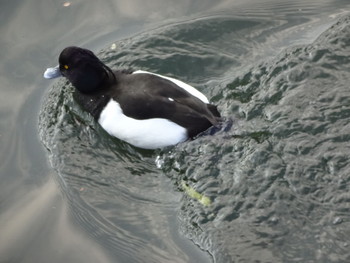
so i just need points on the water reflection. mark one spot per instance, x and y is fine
(37, 218)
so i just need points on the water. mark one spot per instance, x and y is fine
(277, 179)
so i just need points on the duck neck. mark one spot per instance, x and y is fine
(95, 81)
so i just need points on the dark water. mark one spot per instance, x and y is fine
(278, 179)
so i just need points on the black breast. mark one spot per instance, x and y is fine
(92, 103)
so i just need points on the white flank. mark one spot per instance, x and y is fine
(181, 84)
(148, 134)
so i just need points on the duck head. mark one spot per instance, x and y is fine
(82, 68)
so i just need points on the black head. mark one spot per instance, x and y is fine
(84, 70)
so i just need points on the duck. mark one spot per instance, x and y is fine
(144, 109)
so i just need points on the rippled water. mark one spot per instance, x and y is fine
(278, 179)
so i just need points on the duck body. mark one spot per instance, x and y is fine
(147, 110)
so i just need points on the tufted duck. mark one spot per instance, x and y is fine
(144, 109)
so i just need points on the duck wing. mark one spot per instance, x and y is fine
(145, 96)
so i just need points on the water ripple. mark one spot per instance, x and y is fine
(283, 195)
(277, 180)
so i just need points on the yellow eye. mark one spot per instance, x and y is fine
(66, 66)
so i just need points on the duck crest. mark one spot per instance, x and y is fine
(84, 70)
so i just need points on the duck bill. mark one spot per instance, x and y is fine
(52, 73)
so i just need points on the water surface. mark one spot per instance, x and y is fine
(277, 179)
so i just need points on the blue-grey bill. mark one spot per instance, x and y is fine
(51, 73)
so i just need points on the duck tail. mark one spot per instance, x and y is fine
(214, 110)
(215, 117)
